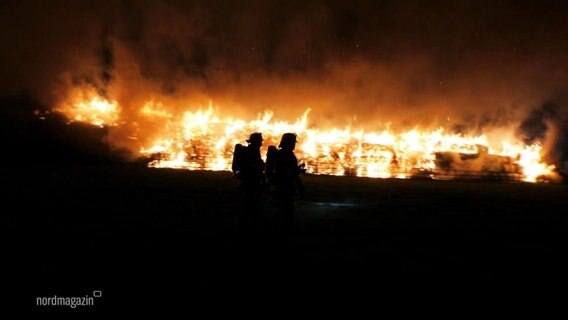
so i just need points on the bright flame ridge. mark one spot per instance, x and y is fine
(202, 140)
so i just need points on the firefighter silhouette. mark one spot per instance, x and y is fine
(283, 174)
(248, 168)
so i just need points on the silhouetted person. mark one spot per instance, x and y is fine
(248, 167)
(283, 174)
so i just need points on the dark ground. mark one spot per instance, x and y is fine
(152, 238)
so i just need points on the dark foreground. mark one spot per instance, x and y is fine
(166, 239)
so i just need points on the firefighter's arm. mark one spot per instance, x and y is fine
(301, 169)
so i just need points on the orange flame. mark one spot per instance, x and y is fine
(203, 140)
(87, 106)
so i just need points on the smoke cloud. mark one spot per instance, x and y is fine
(466, 65)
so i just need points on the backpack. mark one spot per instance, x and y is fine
(238, 159)
(271, 156)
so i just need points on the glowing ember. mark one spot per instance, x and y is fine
(203, 140)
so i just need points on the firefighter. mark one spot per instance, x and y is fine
(283, 173)
(248, 168)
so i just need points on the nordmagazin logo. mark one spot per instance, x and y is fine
(67, 301)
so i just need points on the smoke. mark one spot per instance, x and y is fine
(546, 125)
(465, 65)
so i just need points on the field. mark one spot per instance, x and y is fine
(160, 237)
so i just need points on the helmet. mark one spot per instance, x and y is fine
(288, 140)
(255, 138)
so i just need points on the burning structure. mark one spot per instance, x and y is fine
(479, 165)
(203, 140)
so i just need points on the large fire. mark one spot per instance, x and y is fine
(203, 140)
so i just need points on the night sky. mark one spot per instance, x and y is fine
(462, 64)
